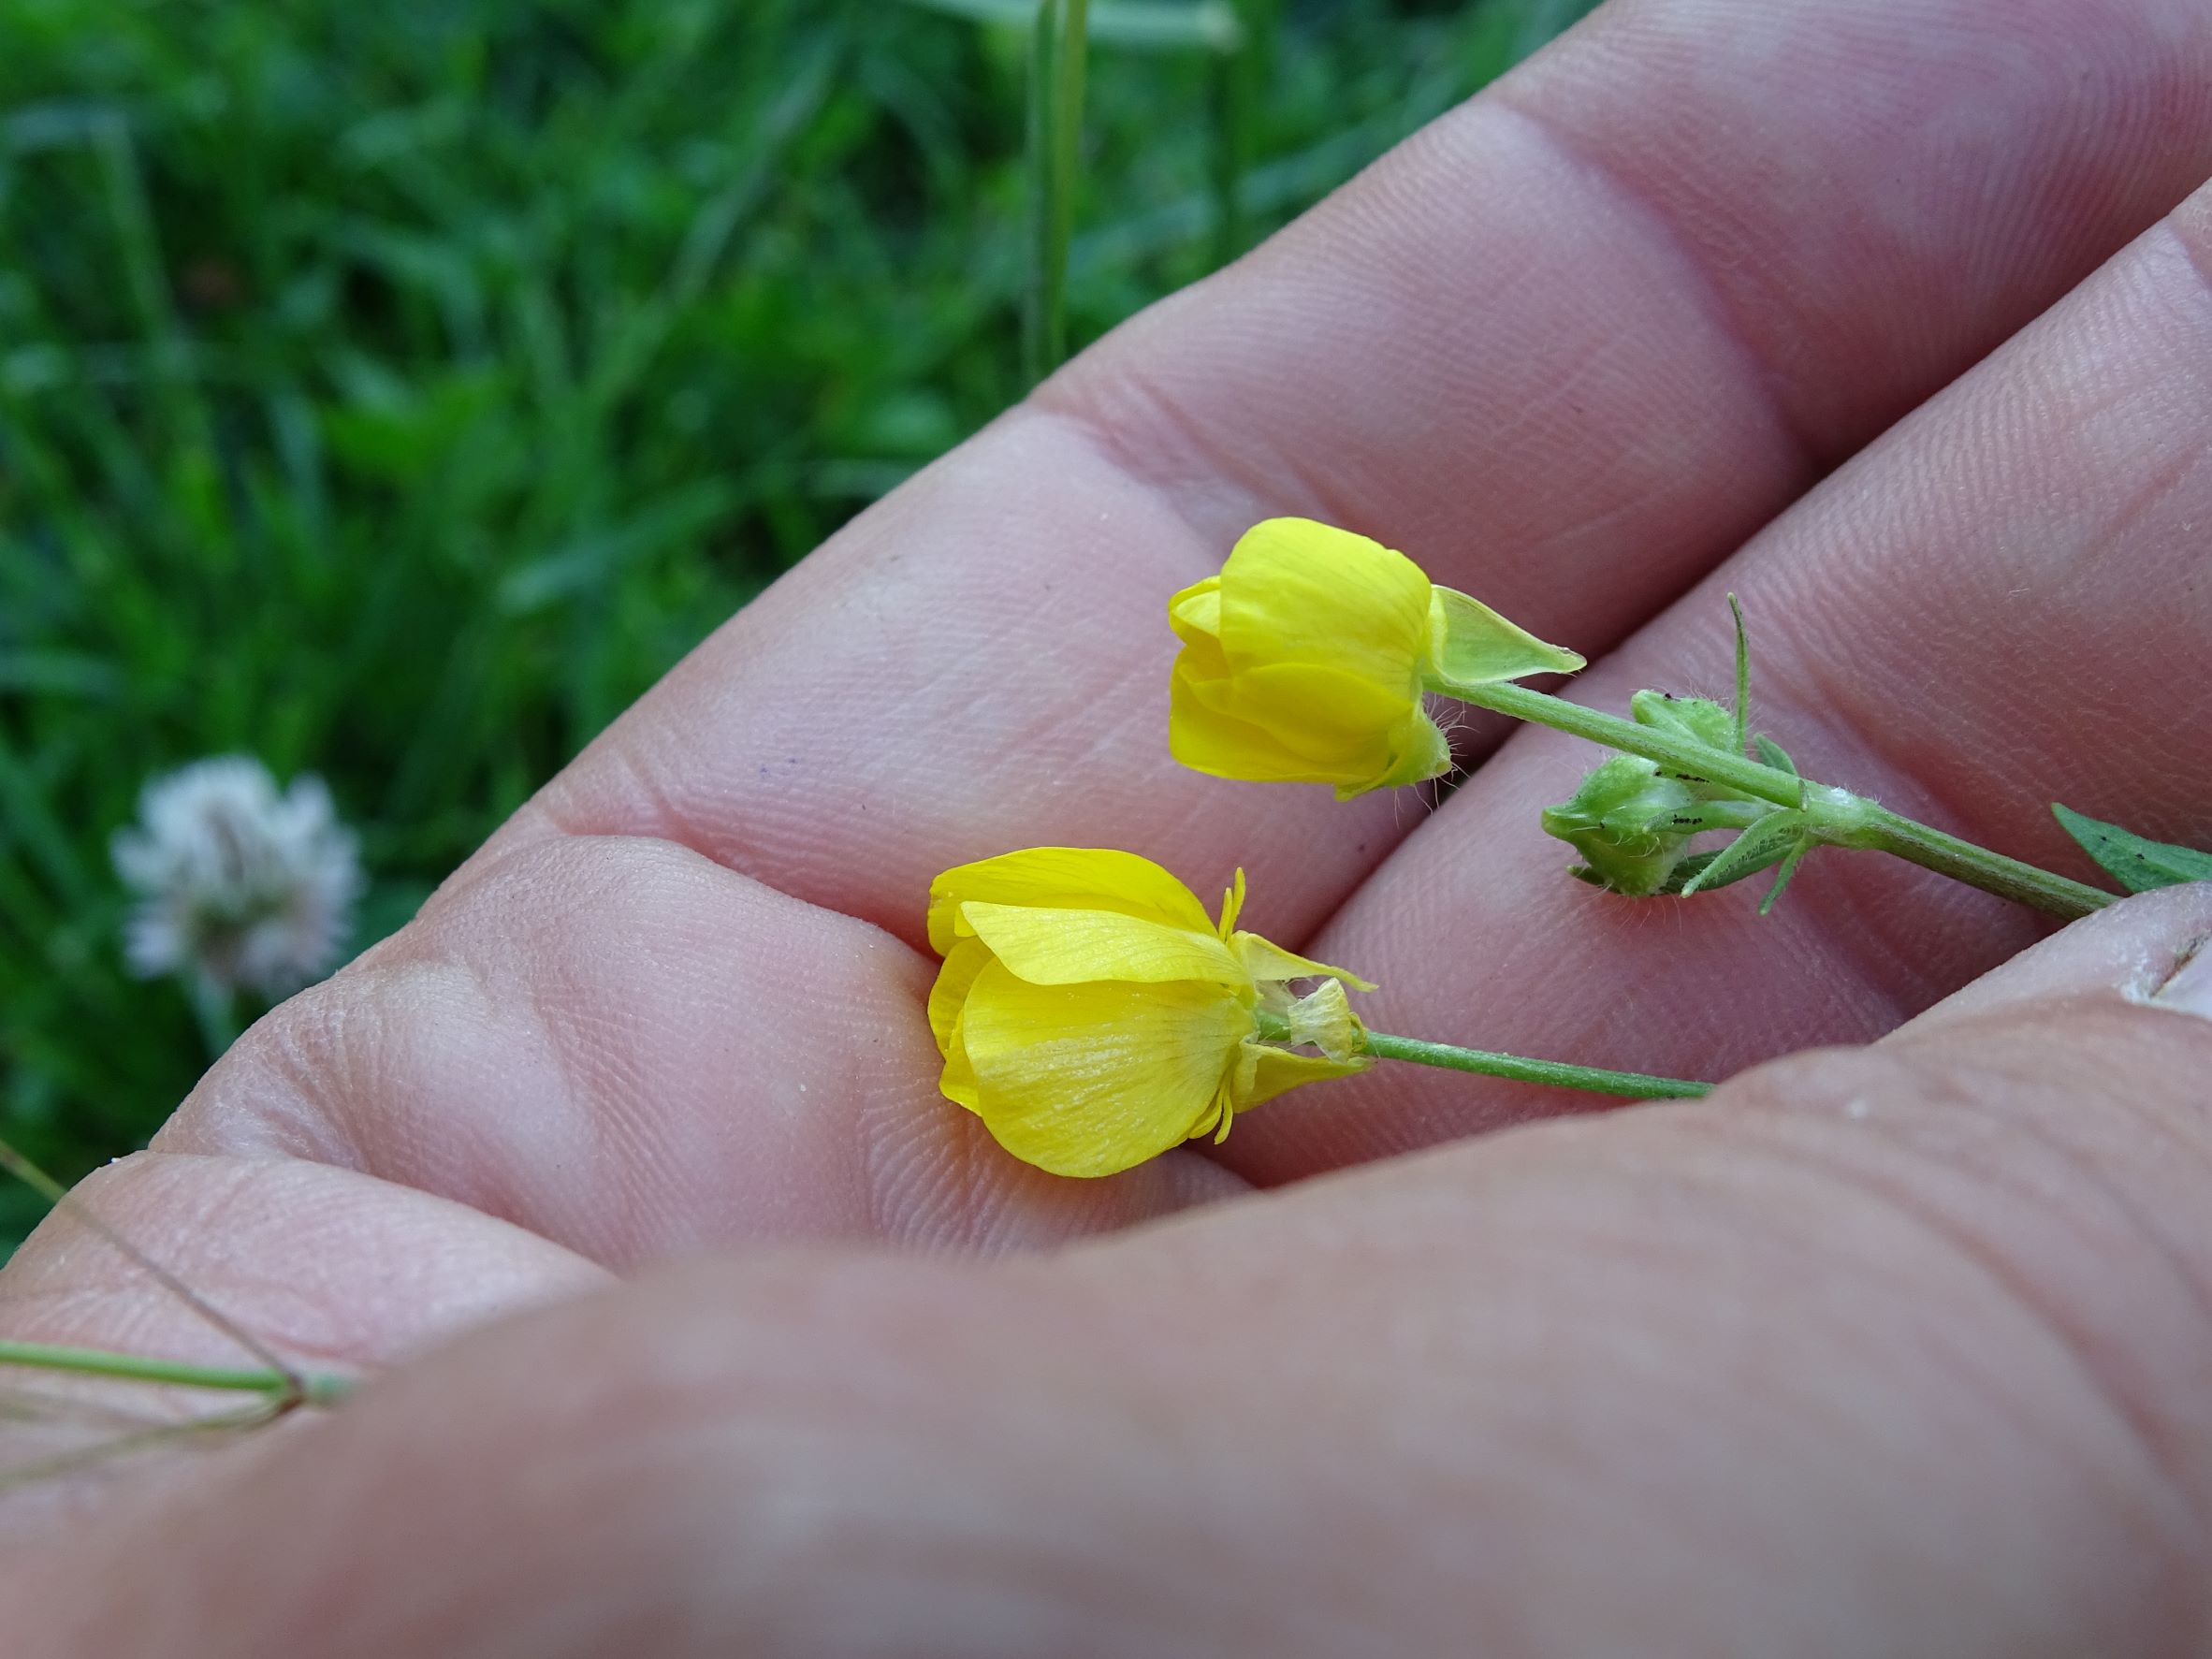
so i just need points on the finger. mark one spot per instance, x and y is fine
(1997, 606)
(1896, 1351)
(632, 1052)
(1574, 343)
(2137, 950)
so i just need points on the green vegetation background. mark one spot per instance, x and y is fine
(394, 391)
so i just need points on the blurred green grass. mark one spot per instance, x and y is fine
(394, 391)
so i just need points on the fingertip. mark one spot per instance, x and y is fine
(2140, 949)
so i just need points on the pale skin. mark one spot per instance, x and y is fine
(1893, 318)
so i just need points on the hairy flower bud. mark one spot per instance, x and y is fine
(1623, 822)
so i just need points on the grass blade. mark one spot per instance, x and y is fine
(1141, 25)
(1059, 57)
(31, 1175)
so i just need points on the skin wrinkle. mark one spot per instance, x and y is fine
(2153, 1438)
(1474, 402)
(1882, 729)
(1133, 424)
(623, 1137)
(2188, 954)
(2199, 1287)
(1804, 453)
(1921, 114)
(1793, 1117)
(436, 996)
(268, 1095)
(600, 1066)
(1828, 1261)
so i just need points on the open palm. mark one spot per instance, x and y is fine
(1893, 318)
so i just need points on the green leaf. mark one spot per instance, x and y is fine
(2136, 864)
(1766, 842)
(1774, 755)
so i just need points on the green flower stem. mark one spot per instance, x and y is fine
(1679, 755)
(1635, 1085)
(1947, 856)
(1833, 816)
(310, 1389)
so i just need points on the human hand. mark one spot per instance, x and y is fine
(1756, 1376)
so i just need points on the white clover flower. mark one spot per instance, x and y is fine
(239, 884)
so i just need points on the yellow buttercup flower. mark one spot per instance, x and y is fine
(1307, 659)
(1093, 1016)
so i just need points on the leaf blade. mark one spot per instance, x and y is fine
(2137, 863)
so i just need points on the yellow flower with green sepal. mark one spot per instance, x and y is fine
(1308, 660)
(1093, 1015)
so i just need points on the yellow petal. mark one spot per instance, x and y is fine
(953, 980)
(1297, 722)
(1223, 745)
(1089, 1080)
(1063, 877)
(1060, 947)
(1472, 646)
(1265, 960)
(1264, 1073)
(1195, 614)
(957, 1083)
(1323, 711)
(1295, 590)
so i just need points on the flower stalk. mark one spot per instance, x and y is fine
(1595, 1080)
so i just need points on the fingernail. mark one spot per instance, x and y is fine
(2189, 990)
